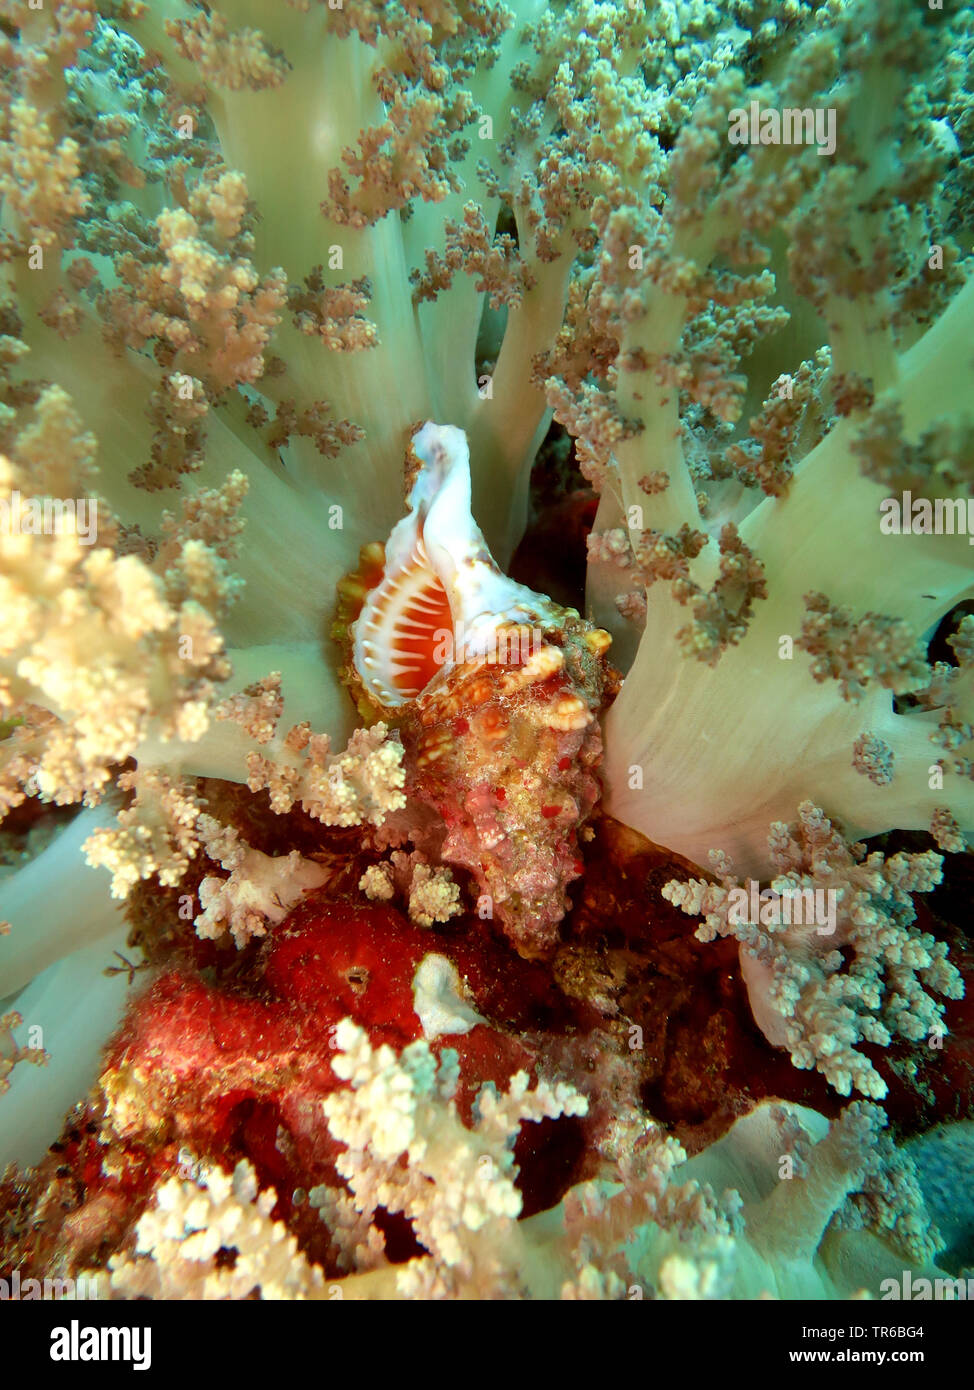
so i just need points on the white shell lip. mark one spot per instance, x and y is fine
(438, 571)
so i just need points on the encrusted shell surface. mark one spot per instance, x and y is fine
(496, 691)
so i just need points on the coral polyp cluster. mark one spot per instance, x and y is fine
(482, 483)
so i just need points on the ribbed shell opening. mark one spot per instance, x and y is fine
(407, 636)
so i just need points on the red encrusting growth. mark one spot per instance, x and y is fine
(206, 1070)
